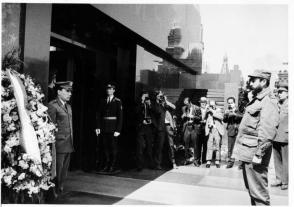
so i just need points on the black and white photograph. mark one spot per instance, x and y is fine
(146, 103)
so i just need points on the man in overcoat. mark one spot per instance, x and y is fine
(280, 144)
(61, 114)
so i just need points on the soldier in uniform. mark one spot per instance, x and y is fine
(61, 114)
(109, 124)
(280, 144)
(257, 130)
(191, 117)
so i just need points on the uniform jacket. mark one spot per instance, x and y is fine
(233, 120)
(282, 134)
(112, 109)
(62, 117)
(259, 123)
(217, 117)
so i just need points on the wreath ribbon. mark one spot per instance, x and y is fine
(28, 138)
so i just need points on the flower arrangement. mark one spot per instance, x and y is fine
(19, 172)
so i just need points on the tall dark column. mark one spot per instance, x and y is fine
(37, 42)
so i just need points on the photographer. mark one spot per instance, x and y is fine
(233, 118)
(164, 126)
(191, 118)
(214, 130)
(145, 128)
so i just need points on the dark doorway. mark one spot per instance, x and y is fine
(72, 63)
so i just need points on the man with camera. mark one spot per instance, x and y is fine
(214, 129)
(164, 125)
(191, 118)
(145, 130)
(257, 131)
(233, 118)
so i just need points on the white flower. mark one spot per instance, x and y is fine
(21, 176)
(23, 164)
(7, 149)
(11, 127)
(7, 180)
(7, 118)
(14, 116)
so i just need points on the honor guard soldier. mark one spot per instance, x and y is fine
(109, 124)
(61, 114)
(257, 131)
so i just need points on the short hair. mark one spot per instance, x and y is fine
(144, 92)
(231, 97)
(189, 99)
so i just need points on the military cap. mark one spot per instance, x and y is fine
(65, 84)
(203, 100)
(283, 87)
(261, 74)
(110, 85)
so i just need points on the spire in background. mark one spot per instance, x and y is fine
(225, 67)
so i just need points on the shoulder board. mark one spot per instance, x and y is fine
(117, 99)
(53, 101)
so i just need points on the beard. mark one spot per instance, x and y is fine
(256, 90)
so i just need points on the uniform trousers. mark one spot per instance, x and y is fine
(190, 136)
(231, 144)
(110, 149)
(62, 165)
(256, 182)
(201, 145)
(213, 144)
(281, 161)
(145, 139)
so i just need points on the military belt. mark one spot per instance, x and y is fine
(110, 118)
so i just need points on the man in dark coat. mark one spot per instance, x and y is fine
(61, 114)
(109, 124)
(145, 131)
(191, 116)
(233, 118)
(164, 127)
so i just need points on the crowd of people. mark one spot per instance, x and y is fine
(198, 131)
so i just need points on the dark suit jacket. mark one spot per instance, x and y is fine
(112, 109)
(140, 114)
(159, 115)
(233, 120)
(62, 117)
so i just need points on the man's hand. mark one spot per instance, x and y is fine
(97, 131)
(116, 134)
(256, 160)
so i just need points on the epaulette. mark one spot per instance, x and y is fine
(117, 99)
(53, 101)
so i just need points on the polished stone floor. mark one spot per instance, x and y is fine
(187, 185)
